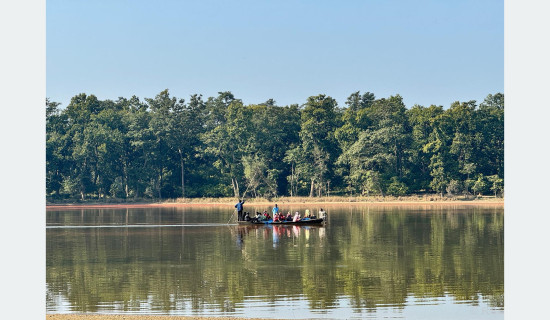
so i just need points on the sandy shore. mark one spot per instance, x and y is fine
(132, 317)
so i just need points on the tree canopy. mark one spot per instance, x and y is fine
(167, 147)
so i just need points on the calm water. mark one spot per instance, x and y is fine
(366, 262)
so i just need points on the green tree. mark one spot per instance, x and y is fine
(425, 143)
(439, 176)
(382, 146)
(185, 136)
(225, 141)
(453, 187)
(85, 145)
(497, 184)
(163, 128)
(295, 157)
(270, 131)
(489, 124)
(468, 169)
(319, 121)
(57, 157)
(480, 184)
(354, 119)
(396, 187)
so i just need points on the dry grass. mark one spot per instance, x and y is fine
(230, 201)
(338, 199)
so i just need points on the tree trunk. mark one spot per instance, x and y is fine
(125, 171)
(160, 183)
(291, 179)
(311, 189)
(83, 169)
(235, 185)
(182, 179)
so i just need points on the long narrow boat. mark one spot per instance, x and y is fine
(304, 221)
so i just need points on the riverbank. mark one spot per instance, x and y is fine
(134, 317)
(325, 201)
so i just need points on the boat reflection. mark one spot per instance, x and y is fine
(278, 233)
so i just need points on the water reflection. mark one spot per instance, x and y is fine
(191, 262)
(279, 234)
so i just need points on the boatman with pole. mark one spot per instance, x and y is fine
(239, 207)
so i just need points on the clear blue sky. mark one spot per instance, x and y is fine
(429, 52)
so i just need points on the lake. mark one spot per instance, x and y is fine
(413, 262)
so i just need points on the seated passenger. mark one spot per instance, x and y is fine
(296, 217)
(313, 216)
(289, 216)
(307, 214)
(246, 216)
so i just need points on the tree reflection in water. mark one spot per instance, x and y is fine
(369, 257)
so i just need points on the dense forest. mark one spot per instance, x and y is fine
(165, 147)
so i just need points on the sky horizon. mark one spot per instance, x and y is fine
(429, 52)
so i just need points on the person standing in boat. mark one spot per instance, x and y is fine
(275, 210)
(239, 207)
(322, 214)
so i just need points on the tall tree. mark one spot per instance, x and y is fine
(381, 147)
(319, 121)
(424, 122)
(56, 148)
(162, 125)
(188, 127)
(227, 135)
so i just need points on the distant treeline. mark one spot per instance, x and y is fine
(167, 147)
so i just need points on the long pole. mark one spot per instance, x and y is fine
(231, 217)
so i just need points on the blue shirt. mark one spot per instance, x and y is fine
(239, 206)
(275, 210)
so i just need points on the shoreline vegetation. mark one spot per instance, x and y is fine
(326, 201)
(166, 147)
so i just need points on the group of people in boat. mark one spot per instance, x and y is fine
(277, 215)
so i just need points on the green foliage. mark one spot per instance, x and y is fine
(70, 186)
(439, 176)
(479, 185)
(165, 147)
(453, 187)
(318, 122)
(396, 187)
(497, 184)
